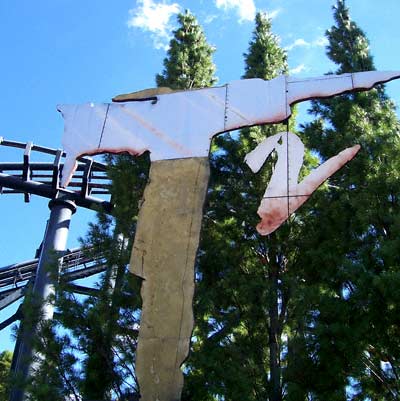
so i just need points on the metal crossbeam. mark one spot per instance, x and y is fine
(38, 188)
(16, 316)
(80, 289)
(11, 297)
(75, 264)
(43, 178)
(14, 274)
(48, 173)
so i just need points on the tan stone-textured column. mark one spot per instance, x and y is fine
(164, 255)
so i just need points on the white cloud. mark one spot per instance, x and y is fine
(318, 42)
(297, 70)
(154, 17)
(274, 13)
(298, 43)
(300, 68)
(245, 8)
(210, 18)
(322, 41)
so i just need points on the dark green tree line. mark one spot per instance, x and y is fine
(5, 365)
(87, 351)
(298, 315)
(348, 339)
(244, 280)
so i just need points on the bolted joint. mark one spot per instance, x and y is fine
(67, 203)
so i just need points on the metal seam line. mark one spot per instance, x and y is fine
(104, 124)
(284, 196)
(287, 166)
(287, 150)
(226, 106)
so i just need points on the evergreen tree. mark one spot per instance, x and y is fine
(349, 330)
(5, 365)
(245, 280)
(108, 334)
(93, 358)
(189, 61)
(54, 375)
(264, 59)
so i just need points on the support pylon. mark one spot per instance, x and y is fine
(54, 243)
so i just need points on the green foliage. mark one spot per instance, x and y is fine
(307, 312)
(55, 374)
(189, 61)
(264, 59)
(244, 280)
(348, 331)
(105, 325)
(348, 46)
(87, 350)
(5, 365)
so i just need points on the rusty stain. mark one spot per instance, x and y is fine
(146, 124)
(284, 195)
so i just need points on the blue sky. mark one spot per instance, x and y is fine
(71, 51)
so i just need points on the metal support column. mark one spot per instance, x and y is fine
(54, 243)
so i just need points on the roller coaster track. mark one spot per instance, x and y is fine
(43, 178)
(74, 265)
(89, 188)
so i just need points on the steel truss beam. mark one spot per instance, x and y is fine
(43, 178)
(75, 265)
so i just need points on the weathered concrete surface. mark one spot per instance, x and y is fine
(164, 255)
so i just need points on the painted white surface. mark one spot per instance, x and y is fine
(331, 85)
(182, 124)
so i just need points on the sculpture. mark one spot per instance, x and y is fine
(177, 128)
(181, 124)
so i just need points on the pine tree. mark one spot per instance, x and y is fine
(108, 334)
(5, 364)
(92, 356)
(351, 311)
(245, 280)
(189, 61)
(264, 59)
